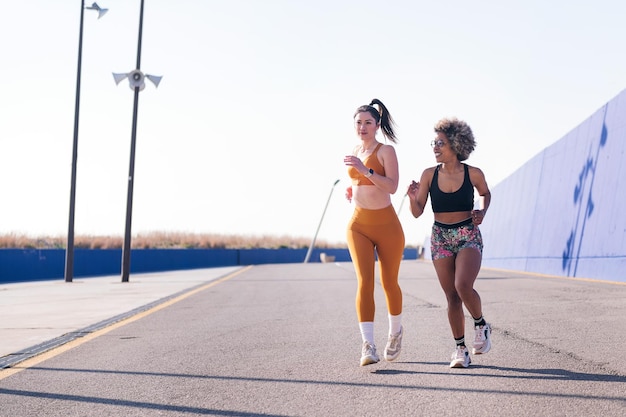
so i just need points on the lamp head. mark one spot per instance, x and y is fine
(101, 11)
(136, 79)
(156, 79)
(119, 77)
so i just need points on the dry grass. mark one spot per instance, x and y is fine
(163, 240)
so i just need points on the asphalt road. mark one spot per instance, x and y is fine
(282, 340)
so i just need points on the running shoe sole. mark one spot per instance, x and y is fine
(368, 360)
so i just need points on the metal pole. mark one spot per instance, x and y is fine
(131, 170)
(69, 252)
(129, 198)
(402, 203)
(308, 253)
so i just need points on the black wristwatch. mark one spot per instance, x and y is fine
(369, 173)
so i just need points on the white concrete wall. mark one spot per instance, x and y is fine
(564, 212)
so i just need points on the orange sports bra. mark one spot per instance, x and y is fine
(370, 162)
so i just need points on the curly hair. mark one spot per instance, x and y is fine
(459, 135)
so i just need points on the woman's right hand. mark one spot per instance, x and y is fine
(353, 161)
(349, 194)
(413, 189)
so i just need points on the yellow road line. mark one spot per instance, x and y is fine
(30, 362)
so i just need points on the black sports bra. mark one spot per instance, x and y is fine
(459, 200)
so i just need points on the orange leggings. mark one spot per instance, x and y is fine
(371, 232)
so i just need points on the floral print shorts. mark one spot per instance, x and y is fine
(448, 239)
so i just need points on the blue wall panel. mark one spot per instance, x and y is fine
(27, 264)
(94, 263)
(19, 265)
(561, 213)
(154, 260)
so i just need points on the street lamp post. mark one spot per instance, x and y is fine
(402, 203)
(69, 252)
(308, 253)
(136, 83)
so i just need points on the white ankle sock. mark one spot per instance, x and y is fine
(367, 331)
(395, 324)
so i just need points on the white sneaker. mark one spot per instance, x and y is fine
(482, 339)
(460, 358)
(368, 354)
(394, 345)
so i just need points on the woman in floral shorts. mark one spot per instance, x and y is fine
(456, 242)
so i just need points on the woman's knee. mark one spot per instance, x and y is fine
(365, 288)
(464, 287)
(393, 292)
(389, 282)
(453, 298)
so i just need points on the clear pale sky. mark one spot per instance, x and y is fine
(247, 131)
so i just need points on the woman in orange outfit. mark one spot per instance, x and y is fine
(375, 228)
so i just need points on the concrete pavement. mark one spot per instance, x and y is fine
(39, 315)
(282, 340)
